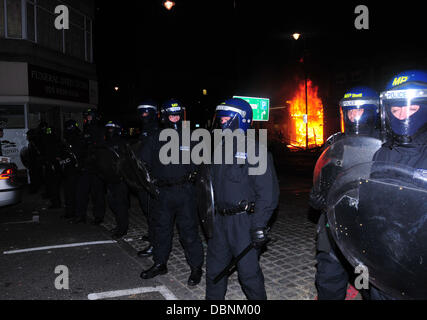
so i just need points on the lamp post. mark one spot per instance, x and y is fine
(168, 4)
(296, 36)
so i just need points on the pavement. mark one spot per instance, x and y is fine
(99, 268)
(288, 264)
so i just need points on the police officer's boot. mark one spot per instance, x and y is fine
(147, 252)
(154, 271)
(195, 276)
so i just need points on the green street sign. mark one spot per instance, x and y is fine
(260, 107)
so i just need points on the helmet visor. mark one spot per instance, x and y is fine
(224, 119)
(406, 116)
(359, 119)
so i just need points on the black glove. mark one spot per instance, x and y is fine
(317, 200)
(259, 237)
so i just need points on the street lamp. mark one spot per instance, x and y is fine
(168, 4)
(116, 88)
(296, 36)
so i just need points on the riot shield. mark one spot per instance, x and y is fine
(205, 199)
(135, 173)
(341, 155)
(378, 217)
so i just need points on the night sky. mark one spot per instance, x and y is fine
(245, 47)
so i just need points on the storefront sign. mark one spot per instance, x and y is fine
(47, 83)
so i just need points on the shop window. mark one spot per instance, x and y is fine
(15, 116)
(48, 113)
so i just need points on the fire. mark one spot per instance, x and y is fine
(315, 117)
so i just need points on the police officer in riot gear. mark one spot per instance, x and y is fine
(236, 225)
(88, 181)
(117, 190)
(404, 111)
(176, 200)
(359, 111)
(147, 112)
(74, 146)
(51, 152)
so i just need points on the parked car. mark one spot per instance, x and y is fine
(10, 188)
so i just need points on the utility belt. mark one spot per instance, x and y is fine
(164, 183)
(244, 206)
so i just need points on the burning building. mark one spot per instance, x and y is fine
(298, 108)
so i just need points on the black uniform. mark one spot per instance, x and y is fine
(232, 233)
(117, 190)
(148, 130)
(88, 181)
(51, 150)
(176, 201)
(414, 156)
(75, 147)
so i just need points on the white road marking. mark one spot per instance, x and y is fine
(36, 219)
(19, 222)
(60, 246)
(165, 292)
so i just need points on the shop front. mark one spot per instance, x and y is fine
(30, 94)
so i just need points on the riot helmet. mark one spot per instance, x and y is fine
(113, 129)
(90, 116)
(404, 106)
(172, 114)
(234, 113)
(43, 125)
(359, 110)
(147, 112)
(71, 125)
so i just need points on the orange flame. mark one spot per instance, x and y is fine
(315, 116)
